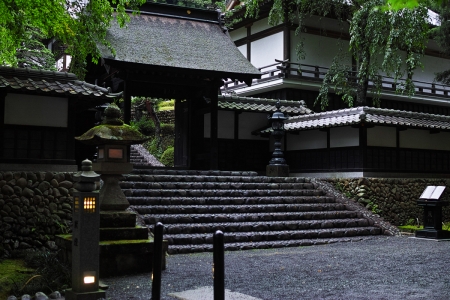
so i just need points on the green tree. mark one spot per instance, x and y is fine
(382, 41)
(79, 24)
(32, 53)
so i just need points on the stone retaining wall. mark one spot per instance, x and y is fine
(167, 116)
(34, 207)
(393, 199)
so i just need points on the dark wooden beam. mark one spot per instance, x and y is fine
(236, 124)
(214, 151)
(2, 120)
(249, 43)
(363, 145)
(286, 37)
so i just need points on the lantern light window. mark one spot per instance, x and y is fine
(115, 153)
(101, 153)
(76, 204)
(89, 277)
(89, 204)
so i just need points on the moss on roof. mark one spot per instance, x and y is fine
(181, 43)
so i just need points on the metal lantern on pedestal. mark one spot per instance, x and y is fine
(85, 236)
(112, 139)
(277, 165)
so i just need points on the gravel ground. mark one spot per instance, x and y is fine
(380, 267)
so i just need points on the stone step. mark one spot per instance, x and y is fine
(208, 178)
(247, 217)
(216, 185)
(192, 248)
(230, 209)
(138, 201)
(253, 211)
(160, 171)
(258, 225)
(218, 193)
(124, 233)
(259, 236)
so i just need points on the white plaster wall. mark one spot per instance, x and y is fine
(225, 126)
(249, 122)
(36, 110)
(344, 137)
(319, 50)
(260, 25)
(382, 136)
(310, 139)
(264, 51)
(422, 139)
(238, 34)
(243, 50)
(431, 65)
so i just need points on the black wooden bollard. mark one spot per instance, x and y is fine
(219, 266)
(157, 261)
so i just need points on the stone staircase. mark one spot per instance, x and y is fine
(140, 158)
(252, 211)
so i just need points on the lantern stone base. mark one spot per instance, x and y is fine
(432, 233)
(124, 247)
(71, 295)
(277, 170)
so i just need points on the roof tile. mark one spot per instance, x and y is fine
(369, 115)
(262, 105)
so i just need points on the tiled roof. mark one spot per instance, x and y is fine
(49, 82)
(289, 107)
(369, 115)
(185, 43)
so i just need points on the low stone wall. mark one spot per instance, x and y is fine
(34, 207)
(393, 199)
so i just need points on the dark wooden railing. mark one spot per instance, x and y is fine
(286, 69)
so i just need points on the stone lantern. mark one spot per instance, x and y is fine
(85, 237)
(112, 139)
(277, 165)
(124, 247)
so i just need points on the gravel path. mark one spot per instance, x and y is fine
(377, 268)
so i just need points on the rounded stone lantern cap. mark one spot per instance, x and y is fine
(112, 131)
(86, 174)
(277, 115)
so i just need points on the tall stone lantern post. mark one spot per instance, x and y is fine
(112, 139)
(124, 247)
(277, 166)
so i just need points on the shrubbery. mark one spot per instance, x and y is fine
(167, 157)
(167, 129)
(145, 125)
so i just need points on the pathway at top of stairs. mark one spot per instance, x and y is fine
(253, 211)
(141, 158)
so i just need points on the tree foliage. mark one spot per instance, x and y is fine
(79, 24)
(382, 42)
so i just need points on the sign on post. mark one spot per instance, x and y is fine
(432, 192)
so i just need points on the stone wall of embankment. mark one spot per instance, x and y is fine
(34, 207)
(393, 199)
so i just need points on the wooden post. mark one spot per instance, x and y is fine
(219, 266)
(214, 138)
(157, 261)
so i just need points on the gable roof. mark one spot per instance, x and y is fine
(289, 107)
(368, 115)
(53, 83)
(178, 41)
